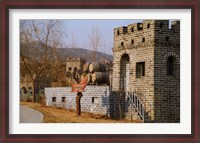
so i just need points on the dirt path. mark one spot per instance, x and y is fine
(29, 115)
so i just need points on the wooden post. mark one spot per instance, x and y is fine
(78, 103)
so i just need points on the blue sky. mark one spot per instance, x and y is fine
(79, 31)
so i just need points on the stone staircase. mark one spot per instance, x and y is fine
(137, 108)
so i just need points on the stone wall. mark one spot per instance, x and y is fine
(95, 99)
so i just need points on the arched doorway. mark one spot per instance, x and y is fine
(124, 72)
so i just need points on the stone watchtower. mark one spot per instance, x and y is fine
(74, 62)
(74, 65)
(146, 63)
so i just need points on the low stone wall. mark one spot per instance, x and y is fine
(95, 99)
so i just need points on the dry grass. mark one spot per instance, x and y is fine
(57, 115)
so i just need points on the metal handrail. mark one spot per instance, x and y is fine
(137, 103)
(145, 100)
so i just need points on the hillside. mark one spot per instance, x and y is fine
(36, 51)
(78, 52)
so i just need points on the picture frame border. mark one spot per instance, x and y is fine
(6, 5)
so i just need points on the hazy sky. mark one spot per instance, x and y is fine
(78, 32)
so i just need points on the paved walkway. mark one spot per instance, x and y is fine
(29, 115)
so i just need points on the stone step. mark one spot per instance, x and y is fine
(133, 114)
(147, 118)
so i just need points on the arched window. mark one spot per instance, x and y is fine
(170, 66)
(122, 43)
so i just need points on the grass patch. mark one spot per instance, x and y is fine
(59, 115)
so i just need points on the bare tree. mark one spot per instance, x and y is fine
(94, 41)
(38, 43)
(74, 43)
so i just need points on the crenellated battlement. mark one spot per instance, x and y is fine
(143, 27)
(75, 59)
(175, 25)
(149, 30)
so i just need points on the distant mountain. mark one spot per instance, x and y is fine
(78, 52)
(35, 51)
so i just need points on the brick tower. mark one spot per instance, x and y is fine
(147, 64)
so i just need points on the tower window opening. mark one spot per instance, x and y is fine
(117, 32)
(148, 25)
(170, 66)
(143, 39)
(167, 38)
(132, 29)
(161, 25)
(132, 42)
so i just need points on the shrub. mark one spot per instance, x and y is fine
(29, 98)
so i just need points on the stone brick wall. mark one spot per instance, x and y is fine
(144, 86)
(151, 44)
(167, 87)
(97, 94)
(138, 51)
